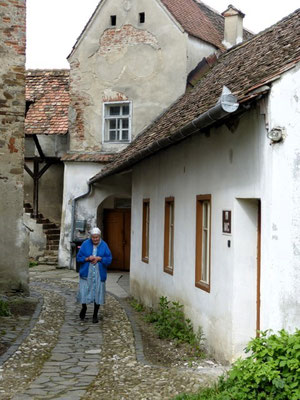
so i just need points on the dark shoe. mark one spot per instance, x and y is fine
(95, 315)
(82, 312)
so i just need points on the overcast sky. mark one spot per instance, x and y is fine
(54, 25)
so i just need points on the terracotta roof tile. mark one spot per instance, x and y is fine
(88, 157)
(47, 93)
(194, 20)
(242, 69)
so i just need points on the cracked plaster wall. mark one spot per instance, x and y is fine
(14, 238)
(146, 63)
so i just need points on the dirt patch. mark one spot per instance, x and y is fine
(21, 310)
(164, 352)
(22, 306)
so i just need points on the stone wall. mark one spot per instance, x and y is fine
(14, 238)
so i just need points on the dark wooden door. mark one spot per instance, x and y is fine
(117, 224)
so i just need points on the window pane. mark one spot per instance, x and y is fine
(114, 110)
(125, 110)
(112, 135)
(204, 256)
(125, 123)
(112, 124)
(125, 135)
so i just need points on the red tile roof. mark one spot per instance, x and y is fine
(194, 20)
(88, 157)
(242, 69)
(47, 94)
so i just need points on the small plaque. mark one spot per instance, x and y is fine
(226, 224)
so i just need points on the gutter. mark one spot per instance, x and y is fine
(227, 104)
(73, 219)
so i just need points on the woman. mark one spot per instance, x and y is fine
(94, 256)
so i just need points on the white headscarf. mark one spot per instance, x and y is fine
(95, 231)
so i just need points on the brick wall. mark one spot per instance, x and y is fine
(13, 244)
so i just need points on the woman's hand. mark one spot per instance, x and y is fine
(93, 259)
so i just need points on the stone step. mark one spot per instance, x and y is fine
(52, 247)
(52, 237)
(50, 225)
(51, 252)
(52, 231)
(53, 242)
(42, 221)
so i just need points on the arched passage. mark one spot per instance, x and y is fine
(114, 219)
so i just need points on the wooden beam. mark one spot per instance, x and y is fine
(28, 170)
(44, 169)
(38, 146)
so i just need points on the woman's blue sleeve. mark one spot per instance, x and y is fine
(107, 257)
(82, 254)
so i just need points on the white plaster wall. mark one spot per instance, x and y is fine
(281, 258)
(229, 166)
(76, 183)
(196, 50)
(142, 69)
(37, 237)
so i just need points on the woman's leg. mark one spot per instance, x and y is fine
(83, 312)
(95, 315)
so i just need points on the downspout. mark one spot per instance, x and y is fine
(73, 219)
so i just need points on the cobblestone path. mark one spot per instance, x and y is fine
(64, 358)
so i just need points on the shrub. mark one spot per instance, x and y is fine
(4, 309)
(270, 372)
(136, 305)
(170, 323)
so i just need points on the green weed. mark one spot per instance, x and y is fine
(271, 371)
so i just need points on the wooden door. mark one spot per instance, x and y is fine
(117, 224)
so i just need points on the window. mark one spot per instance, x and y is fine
(169, 236)
(203, 218)
(145, 237)
(117, 122)
(113, 20)
(142, 17)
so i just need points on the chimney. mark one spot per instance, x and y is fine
(233, 26)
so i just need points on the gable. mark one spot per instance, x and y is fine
(187, 13)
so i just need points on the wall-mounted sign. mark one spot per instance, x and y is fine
(226, 223)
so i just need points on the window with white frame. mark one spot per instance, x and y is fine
(117, 122)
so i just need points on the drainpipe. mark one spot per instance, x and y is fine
(73, 219)
(226, 105)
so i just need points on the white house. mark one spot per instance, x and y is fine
(215, 187)
(128, 66)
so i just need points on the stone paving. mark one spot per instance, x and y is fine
(61, 357)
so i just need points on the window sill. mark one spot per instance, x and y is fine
(203, 286)
(168, 270)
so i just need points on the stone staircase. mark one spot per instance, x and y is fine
(52, 233)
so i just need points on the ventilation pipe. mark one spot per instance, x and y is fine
(233, 26)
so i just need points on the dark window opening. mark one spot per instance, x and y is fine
(113, 20)
(142, 18)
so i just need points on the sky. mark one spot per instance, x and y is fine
(54, 25)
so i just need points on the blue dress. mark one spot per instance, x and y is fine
(91, 289)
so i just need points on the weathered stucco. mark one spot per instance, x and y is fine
(130, 61)
(237, 168)
(14, 238)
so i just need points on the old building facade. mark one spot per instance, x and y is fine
(129, 65)
(14, 237)
(215, 195)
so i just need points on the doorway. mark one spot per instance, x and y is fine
(247, 270)
(117, 228)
